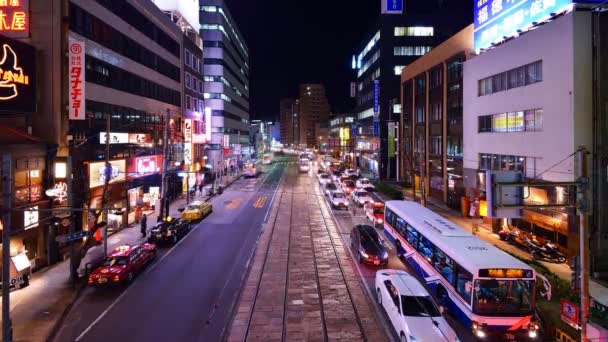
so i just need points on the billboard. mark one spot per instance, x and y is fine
(144, 166)
(187, 8)
(496, 19)
(15, 16)
(17, 76)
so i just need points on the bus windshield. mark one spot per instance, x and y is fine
(503, 297)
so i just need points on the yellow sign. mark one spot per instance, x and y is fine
(11, 74)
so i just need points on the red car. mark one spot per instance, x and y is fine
(375, 213)
(123, 264)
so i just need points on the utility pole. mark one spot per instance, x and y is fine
(397, 142)
(163, 186)
(583, 208)
(7, 184)
(106, 183)
(70, 199)
(422, 180)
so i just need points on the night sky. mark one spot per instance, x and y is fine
(299, 41)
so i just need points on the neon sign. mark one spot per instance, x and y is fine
(77, 80)
(14, 18)
(59, 192)
(17, 75)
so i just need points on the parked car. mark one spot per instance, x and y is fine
(362, 197)
(169, 231)
(329, 188)
(374, 212)
(368, 245)
(410, 308)
(91, 260)
(197, 210)
(338, 200)
(123, 264)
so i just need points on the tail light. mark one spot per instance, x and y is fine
(90, 280)
(116, 278)
(478, 329)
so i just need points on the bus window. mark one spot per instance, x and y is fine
(426, 249)
(464, 283)
(388, 216)
(411, 235)
(400, 225)
(444, 265)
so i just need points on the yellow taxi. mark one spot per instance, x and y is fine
(196, 210)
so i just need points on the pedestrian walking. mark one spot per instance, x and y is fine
(144, 225)
(200, 187)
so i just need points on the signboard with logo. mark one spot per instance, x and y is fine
(188, 130)
(376, 128)
(226, 141)
(115, 138)
(392, 6)
(188, 154)
(59, 192)
(17, 75)
(139, 138)
(495, 19)
(15, 18)
(570, 313)
(76, 80)
(391, 139)
(97, 174)
(144, 166)
(30, 218)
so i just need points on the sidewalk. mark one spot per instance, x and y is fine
(561, 270)
(37, 309)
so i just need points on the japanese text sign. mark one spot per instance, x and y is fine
(15, 18)
(76, 80)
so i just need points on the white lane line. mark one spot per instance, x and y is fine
(274, 195)
(150, 268)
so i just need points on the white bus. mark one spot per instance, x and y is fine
(304, 165)
(489, 291)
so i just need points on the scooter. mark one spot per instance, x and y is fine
(548, 252)
(554, 253)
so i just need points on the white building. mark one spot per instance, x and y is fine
(528, 106)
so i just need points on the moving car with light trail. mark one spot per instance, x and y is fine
(411, 309)
(123, 264)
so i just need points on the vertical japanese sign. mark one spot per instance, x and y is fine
(76, 79)
(376, 98)
(188, 130)
(15, 18)
(188, 154)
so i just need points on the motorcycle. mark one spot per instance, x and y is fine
(554, 252)
(545, 252)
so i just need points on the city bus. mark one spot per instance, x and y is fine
(267, 159)
(489, 291)
(304, 165)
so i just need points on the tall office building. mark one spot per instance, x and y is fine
(403, 32)
(290, 131)
(314, 108)
(226, 82)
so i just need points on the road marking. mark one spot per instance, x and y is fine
(259, 203)
(150, 268)
(234, 204)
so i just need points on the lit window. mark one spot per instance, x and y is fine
(411, 50)
(398, 69)
(415, 31)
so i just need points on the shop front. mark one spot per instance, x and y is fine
(143, 185)
(116, 215)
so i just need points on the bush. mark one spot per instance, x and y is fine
(389, 191)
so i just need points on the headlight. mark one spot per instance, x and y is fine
(380, 221)
(168, 233)
(385, 255)
(363, 254)
(532, 334)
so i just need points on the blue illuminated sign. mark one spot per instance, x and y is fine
(496, 19)
(376, 128)
(394, 5)
(376, 97)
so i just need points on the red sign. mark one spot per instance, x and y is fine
(15, 18)
(570, 313)
(77, 81)
(144, 166)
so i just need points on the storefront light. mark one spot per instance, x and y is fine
(60, 170)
